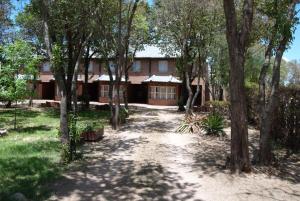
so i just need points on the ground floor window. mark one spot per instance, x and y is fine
(104, 91)
(161, 92)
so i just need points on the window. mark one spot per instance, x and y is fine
(104, 90)
(46, 67)
(136, 66)
(91, 67)
(112, 66)
(163, 66)
(163, 93)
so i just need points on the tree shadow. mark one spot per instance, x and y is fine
(110, 176)
(33, 129)
(26, 175)
(111, 147)
(125, 180)
(23, 114)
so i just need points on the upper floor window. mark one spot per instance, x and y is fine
(136, 66)
(46, 67)
(91, 67)
(112, 66)
(163, 66)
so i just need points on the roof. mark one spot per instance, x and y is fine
(169, 78)
(106, 78)
(137, 79)
(48, 78)
(151, 51)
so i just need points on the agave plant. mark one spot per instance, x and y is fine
(191, 124)
(213, 124)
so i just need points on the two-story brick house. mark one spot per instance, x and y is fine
(152, 80)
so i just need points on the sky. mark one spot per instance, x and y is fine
(293, 53)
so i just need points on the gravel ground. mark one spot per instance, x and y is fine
(147, 160)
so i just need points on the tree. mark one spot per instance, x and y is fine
(5, 21)
(281, 24)
(140, 36)
(115, 19)
(293, 74)
(238, 35)
(186, 28)
(18, 68)
(62, 28)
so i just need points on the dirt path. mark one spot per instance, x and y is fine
(147, 160)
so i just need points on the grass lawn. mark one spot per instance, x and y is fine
(30, 155)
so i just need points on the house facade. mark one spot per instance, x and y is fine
(152, 80)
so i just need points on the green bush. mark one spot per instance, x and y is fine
(213, 124)
(123, 114)
(86, 128)
(220, 107)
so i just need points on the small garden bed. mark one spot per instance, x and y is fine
(91, 133)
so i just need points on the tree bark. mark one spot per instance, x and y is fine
(86, 79)
(237, 44)
(198, 84)
(269, 104)
(59, 77)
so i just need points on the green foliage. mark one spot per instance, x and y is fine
(88, 127)
(219, 107)
(213, 124)
(123, 114)
(19, 65)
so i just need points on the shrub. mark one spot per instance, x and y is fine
(123, 114)
(86, 128)
(213, 124)
(220, 107)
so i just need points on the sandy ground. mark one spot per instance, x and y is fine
(147, 160)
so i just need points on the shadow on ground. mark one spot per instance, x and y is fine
(126, 180)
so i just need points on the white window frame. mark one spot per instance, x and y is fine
(104, 90)
(136, 67)
(163, 92)
(163, 66)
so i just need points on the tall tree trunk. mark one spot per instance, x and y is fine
(125, 91)
(269, 104)
(86, 79)
(237, 44)
(198, 84)
(196, 94)
(183, 95)
(190, 94)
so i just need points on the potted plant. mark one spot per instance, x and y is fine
(91, 133)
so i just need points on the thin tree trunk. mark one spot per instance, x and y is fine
(15, 119)
(86, 78)
(190, 94)
(198, 86)
(183, 95)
